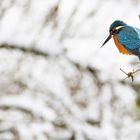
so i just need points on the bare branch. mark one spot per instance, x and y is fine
(130, 74)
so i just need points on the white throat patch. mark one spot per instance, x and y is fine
(118, 27)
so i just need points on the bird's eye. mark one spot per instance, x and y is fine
(114, 29)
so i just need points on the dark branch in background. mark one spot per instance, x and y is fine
(32, 51)
(37, 52)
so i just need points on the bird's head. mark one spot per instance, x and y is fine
(114, 29)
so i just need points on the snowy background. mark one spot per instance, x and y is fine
(56, 83)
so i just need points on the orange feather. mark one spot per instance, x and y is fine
(121, 47)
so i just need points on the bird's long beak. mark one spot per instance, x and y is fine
(108, 38)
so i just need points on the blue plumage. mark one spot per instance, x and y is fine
(116, 24)
(129, 37)
(126, 38)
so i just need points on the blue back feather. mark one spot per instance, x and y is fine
(129, 37)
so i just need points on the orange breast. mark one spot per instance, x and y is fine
(120, 47)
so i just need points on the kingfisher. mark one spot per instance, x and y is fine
(126, 38)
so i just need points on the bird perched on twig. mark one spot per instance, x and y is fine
(127, 40)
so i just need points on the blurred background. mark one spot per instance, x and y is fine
(56, 83)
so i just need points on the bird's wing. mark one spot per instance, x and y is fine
(129, 37)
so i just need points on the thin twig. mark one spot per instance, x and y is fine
(123, 71)
(130, 74)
